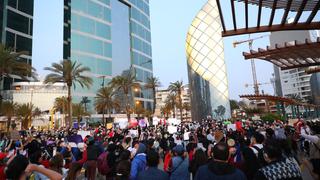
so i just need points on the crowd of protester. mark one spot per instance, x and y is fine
(198, 150)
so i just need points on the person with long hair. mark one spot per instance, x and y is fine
(74, 171)
(199, 158)
(250, 164)
(56, 164)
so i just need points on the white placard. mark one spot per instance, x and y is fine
(232, 126)
(84, 133)
(186, 136)
(133, 133)
(172, 129)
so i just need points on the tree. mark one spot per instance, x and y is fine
(187, 108)
(26, 112)
(125, 83)
(166, 110)
(85, 100)
(8, 109)
(70, 73)
(171, 103)
(220, 111)
(105, 100)
(177, 87)
(252, 111)
(11, 63)
(153, 83)
(234, 105)
(78, 111)
(61, 105)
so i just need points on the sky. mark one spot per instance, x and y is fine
(170, 20)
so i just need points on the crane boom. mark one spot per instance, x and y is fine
(253, 66)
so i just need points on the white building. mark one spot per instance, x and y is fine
(161, 96)
(39, 94)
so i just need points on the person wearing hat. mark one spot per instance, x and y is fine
(139, 162)
(180, 164)
(92, 156)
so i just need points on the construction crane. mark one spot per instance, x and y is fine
(253, 66)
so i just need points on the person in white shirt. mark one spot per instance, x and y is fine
(257, 143)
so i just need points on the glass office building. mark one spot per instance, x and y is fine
(111, 37)
(206, 66)
(16, 22)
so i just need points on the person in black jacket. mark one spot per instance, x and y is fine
(219, 167)
(92, 156)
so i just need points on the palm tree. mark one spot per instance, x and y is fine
(177, 87)
(78, 111)
(187, 108)
(26, 112)
(61, 105)
(70, 73)
(125, 83)
(105, 101)
(8, 109)
(153, 83)
(12, 64)
(171, 102)
(85, 100)
(166, 110)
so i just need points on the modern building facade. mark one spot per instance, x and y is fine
(16, 23)
(162, 95)
(111, 37)
(315, 88)
(206, 66)
(39, 94)
(294, 81)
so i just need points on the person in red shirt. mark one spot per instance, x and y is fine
(2, 166)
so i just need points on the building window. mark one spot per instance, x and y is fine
(18, 22)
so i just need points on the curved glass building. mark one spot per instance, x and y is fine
(206, 66)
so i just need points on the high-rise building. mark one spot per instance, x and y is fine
(291, 82)
(162, 96)
(206, 66)
(111, 37)
(16, 23)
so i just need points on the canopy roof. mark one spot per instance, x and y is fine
(290, 54)
(276, 99)
(298, 6)
(312, 70)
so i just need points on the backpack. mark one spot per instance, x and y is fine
(102, 164)
(261, 159)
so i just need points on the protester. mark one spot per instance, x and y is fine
(152, 171)
(206, 149)
(139, 162)
(278, 167)
(74, 172)
(19, 169)
(180, 164)
(199, 158)
(219, 168)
